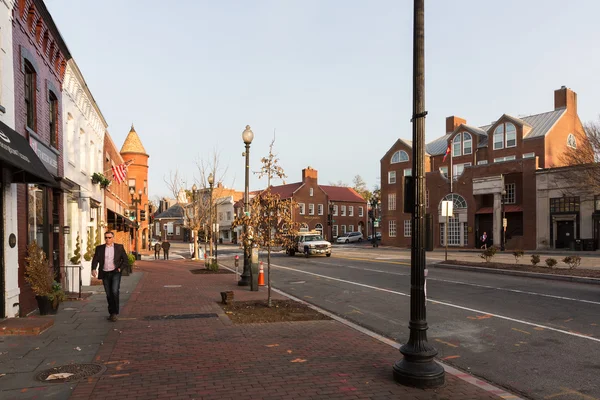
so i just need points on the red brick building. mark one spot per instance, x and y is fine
(40, 60)
(348, 209)
(489, 174)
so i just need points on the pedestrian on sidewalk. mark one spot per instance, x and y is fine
(157, 251)
(165, 246)
(484, 240)
(110, 259)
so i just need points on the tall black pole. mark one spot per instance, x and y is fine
(245, 277)
(417, 367)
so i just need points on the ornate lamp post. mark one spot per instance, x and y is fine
(330, 220)
(418, 368)
(503, 237)
(211, 181)
(247, 137)
(195, 219)
(374, 203)
(135, 202)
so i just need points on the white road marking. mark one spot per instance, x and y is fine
(442, 303)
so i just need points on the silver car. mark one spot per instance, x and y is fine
(350, 237)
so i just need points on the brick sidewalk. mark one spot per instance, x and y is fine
(210, 358)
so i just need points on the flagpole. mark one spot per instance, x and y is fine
(127, 164)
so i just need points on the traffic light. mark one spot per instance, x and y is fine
(329, 219)
(142, 215)
(371, 214)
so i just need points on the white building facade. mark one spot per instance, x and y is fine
(83, 137)
(225, 216)
(9, 265)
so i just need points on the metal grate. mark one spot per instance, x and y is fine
(180, 316)
(77, 371)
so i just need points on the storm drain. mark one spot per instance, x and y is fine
(180, 316)
(69, 373)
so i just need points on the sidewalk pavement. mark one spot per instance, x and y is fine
(205, 356)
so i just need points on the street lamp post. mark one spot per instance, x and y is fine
(374, 202)
(247, 137)
(195, 221)
(417, 367)
(134, 202)
(503, 236)
(211, 181)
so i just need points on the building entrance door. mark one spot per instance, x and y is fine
(564, 234)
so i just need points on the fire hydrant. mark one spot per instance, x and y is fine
(237, 261)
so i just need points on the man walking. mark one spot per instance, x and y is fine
(110, 259)
(157, 251)
(166, 246)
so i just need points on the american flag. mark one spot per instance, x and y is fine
(446, 155)
(120, 172)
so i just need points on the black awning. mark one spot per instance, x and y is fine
(16, 152)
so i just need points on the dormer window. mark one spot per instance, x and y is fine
(505, 135)
(462, 144)
(399, 156)
(571, 141)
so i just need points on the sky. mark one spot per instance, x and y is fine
(330, 80)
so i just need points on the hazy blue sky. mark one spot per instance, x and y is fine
(332, 76)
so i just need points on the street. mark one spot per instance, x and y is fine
(532, 336)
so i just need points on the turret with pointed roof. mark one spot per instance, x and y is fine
(133, 144)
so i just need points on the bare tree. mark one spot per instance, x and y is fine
(338, 183)
(583, 156)
(271, 218)
(174, 183)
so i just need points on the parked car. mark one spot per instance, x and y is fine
(377, 235)
(153, 242)
(350, 237)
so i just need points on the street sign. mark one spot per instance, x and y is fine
(447, 206)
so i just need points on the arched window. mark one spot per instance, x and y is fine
(53, 119)
(505, 135)
(304, 227)
(319, 227)
(458, 202)
(467, 143)
(571, 141)
(456, 150)
(399, 156)
(30, 90)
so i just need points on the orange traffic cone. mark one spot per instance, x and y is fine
(261, 275)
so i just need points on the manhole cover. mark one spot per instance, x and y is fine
(180, 316)
(61, 374)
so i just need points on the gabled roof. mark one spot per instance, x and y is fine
(286, 191)
(390, 153)
(175, 211)
(540, 126)
(341, 193)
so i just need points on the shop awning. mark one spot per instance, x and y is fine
(118, 220)
(507, 208)
(16, 152)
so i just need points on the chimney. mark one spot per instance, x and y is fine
(453, 122)
(309, 173)
(565, 98)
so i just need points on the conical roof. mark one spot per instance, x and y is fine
(133, 144)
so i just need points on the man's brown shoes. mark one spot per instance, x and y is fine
(112, 318)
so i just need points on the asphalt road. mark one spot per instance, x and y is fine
(536, 337)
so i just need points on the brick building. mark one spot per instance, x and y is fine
(486, 174)
(39, 59)
(348, 209)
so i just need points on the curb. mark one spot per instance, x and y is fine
(567, 278)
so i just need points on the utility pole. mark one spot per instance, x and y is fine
(418, 368)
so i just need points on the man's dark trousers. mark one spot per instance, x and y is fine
(112, 283)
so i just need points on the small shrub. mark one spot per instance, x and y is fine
(37, 271)
(572, 261)
(213, 266)
(550, 262)
(535, 259)
(77, 253)
(131, 260)
(57, 295)
(89, 253)
(488, 253)
(518, 254)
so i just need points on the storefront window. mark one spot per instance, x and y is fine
(36, 216)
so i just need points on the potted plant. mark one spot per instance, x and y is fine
(104, 182)
(38, 274)
(87, 257)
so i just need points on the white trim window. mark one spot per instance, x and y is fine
(311, 192)
(529, 155)
(407, 171)
(302, 208)
(320, 209)
(361, 211)
(456, 146)
(351, 211)
(392, 228)
(343, 229)
(392, 177)
(350, 228)
(571, 141)
(335, 210)
(510, 196)
(334, 230)
(482, 162)
(392, 201)
(311, 209)
(507, 158)
(505, 135)
(458, 169)
(407, 228)
(467, 143)
(444, 171)
(343, 211)
(399, 156)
